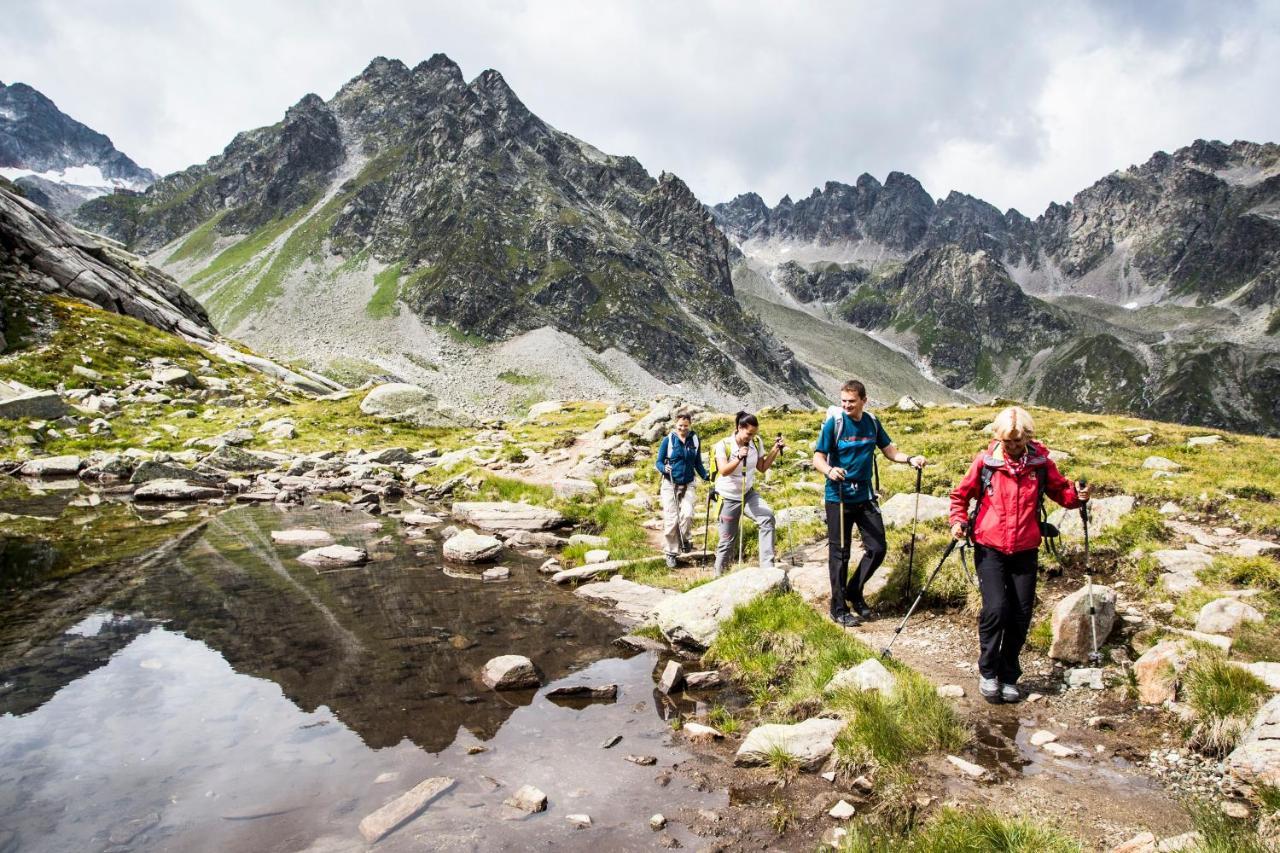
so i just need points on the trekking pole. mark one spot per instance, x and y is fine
(706, 526)
(898, 630)
(1095, 657)
(911, 554)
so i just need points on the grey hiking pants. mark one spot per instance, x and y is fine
(730, 514)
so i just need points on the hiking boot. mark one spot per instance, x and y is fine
(846, 620)
(685, 546)
(671, 561)
(861, 608)
(1010, 693)
(990, 690)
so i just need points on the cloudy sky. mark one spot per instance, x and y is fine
(1018, 103)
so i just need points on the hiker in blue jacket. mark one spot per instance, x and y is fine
(845, 455)
(679, 459)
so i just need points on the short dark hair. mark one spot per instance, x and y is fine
(856, 387)
(745, 419)
(684, 416)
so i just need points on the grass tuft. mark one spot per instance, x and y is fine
(963, 830)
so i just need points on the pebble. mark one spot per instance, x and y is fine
(842, 810)
(1042, 737)
(611, 742)
(657, 822)
(643, 760)
(580, 821)
(951, 691)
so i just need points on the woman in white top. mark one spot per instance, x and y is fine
(737, 459)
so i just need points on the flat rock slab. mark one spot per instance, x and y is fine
(1225, 616)
(813, 582)
(968, 768)
(148, 471)
(471, 547)
(499, 515)
(377, 825)
(584, 572)
(422, 519)
(900, 509)
(175, 490)
(693, 618)
(591, 692)
(698, 731)
(809, 743)
(334, 556)
(312, 536)
(51, 466)
(1182, 562)
(1257, 759)
(1256, 548)
(569, 488)
(634, 601)
(510, 672)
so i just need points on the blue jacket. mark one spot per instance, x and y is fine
(684, 456)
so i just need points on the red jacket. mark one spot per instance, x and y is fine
(1006, 516)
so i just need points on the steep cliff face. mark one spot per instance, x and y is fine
(457, 203)
(39, 252)
(59, 162)
(1137, 278)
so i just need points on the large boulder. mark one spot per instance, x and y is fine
(693, 618)
(1256, 761)
(51, 466)
(510, 672)
(900, 509)
(148, 471)
(18, 402)
(635, 602)
(175, 490)
(400, 401)
(809, 743)
(546, 407)
(1072, 627)
(176, 377)
(1225, 616)
(498, 515)
(1159, 669)
(471, 547)
(1104, 513)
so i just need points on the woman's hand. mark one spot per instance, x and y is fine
(957, 530)
(1082, 491)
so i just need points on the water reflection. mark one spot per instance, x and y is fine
(235, 699)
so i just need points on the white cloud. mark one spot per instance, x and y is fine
(1016, 103)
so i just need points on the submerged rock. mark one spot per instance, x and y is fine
(379, 824)
(334, 556)
(302, 536)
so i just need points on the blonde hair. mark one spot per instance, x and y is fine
(1013, 423)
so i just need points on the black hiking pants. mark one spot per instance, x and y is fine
(866, 515)
(1008, 585)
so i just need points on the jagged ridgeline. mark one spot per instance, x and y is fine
(1155, 292)
(415, 203)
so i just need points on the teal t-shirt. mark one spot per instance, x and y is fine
(858, 442)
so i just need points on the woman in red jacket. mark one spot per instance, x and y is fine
(1006, 480)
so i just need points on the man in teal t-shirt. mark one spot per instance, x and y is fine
(845, 454)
